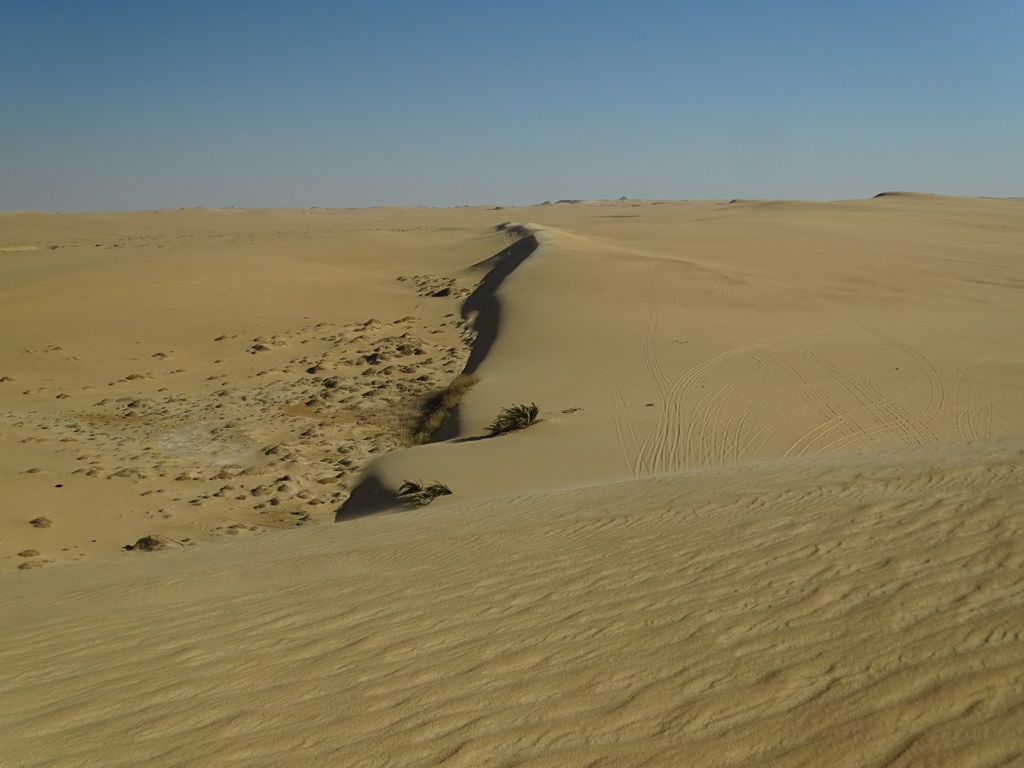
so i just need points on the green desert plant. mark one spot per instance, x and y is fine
(514, 417)
(437, 408)
(420, 495)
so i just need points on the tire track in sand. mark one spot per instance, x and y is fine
(972, 403)
(835, 416)
(741, 427)
(667, 444)
(888, 414)
(936, 389)
(625, 434)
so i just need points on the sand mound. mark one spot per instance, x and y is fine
(736, 334)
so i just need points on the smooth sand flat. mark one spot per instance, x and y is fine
(770, 516)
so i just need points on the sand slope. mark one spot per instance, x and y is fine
(699, 335)
(863, 612)
(770, 517)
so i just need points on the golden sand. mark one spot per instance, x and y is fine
(770, 515)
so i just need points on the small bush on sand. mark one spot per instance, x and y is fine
(439, 407)
(420, 495)
(514, 417)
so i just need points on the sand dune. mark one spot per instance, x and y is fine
(768, 517)
(746, 332)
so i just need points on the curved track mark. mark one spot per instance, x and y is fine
(936, 389)
(624, 433)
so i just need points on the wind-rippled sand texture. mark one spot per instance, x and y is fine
(771, 515)
(826, 613)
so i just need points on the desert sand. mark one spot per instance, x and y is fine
(770, 514)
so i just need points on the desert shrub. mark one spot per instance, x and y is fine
(437, 408)
(147, 544)
(514, 417)
(420, 495)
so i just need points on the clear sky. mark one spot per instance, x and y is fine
(117, 105)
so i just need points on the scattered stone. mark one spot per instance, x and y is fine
(40, 522)
(29, 553)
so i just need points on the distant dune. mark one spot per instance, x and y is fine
(768, 514)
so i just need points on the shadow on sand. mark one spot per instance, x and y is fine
(371, 496)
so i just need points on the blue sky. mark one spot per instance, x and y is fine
(129, 105)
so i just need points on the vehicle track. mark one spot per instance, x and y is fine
(835, 416)
(709, 434)
(667, 445)
(887, 413)
(936, 389)
(625, 434)
(740, 428)
(972, 403)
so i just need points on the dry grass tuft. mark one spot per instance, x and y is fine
(420, 495)
(147, 544)
(438, 407)
(514, 417)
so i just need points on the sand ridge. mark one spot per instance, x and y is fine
(801, 333)
(769, 515)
